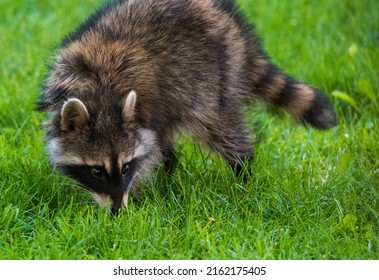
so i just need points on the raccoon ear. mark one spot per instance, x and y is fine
(74, 115)
(129, 106)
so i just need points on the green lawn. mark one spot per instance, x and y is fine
(313, 195)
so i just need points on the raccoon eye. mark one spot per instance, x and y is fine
(96, 172)
(125, 169)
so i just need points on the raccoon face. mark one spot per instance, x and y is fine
(100, 146)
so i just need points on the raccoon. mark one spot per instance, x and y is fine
(137, 72)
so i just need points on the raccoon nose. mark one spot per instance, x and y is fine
(116, 209)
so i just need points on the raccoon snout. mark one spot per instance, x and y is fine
(116, 205)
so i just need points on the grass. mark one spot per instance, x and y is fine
(313, 195)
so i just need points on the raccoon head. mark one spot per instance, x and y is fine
(99, 144)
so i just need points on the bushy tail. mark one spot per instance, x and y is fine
(302, 101)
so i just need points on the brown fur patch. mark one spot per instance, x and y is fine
(273, 90)
(258, 69)
(303, 101)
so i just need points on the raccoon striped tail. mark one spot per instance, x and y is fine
(305, 103)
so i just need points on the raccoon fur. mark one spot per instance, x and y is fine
(139, 71)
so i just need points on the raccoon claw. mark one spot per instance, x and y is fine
(115, 210)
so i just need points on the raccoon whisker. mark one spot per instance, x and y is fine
(131, 183)
(141, 172)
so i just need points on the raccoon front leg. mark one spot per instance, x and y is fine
(169, 159)
(168, 153)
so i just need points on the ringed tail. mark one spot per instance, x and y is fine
(302, 101)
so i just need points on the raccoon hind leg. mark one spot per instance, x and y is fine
(231, 139)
